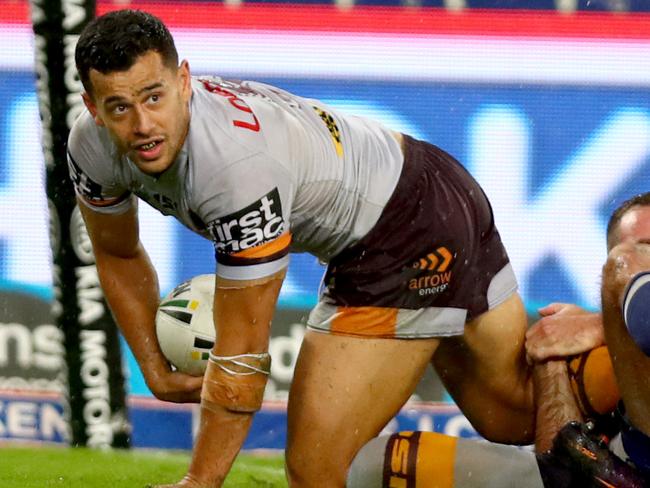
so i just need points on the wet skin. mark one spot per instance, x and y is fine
(145, 110)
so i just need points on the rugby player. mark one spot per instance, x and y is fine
(624, 325)
(417, 273)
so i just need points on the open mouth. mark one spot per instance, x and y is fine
(150, 150)
(149, 146)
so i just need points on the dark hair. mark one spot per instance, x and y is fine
(642, 200)
(115, 40)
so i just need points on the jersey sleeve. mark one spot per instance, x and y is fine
(91, 169)
(248, 219)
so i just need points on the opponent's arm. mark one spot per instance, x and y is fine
(236, 376)
(555, 404)
(130, 285)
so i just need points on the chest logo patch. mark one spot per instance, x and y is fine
(257, 223)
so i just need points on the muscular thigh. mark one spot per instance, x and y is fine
(485, 371)
(345, 390)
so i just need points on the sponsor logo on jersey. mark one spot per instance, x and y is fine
(249, 120)
(259, 222)
(333, 129)
(83, 184)
(437, 276)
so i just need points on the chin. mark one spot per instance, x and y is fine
(153, 167)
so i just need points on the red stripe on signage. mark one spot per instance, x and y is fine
(380, 20)
(396, 20)
(14, 13)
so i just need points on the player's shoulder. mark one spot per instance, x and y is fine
(208, 111)
(91, 155)
(84, 127)
(217, 99)
(207, 94)
(223, 129)
(87, 138)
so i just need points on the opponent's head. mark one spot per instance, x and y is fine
(630, 222)
(128, 64)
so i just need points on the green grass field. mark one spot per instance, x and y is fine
(84, 468)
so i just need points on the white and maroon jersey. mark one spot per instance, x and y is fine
(261, 172)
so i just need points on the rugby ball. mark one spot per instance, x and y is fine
(184, 324)
(593, 382)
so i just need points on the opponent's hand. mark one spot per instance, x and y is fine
(563, 330)
(557, 308)
(174, 386)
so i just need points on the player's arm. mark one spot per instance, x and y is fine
(130, 285)
(237, 373)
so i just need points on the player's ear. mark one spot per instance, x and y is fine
(92, 108)
(184, 79)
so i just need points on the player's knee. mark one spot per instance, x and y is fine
(522, 432)
(626, 289)
(311, 470)
(505, 423)
(621, 262)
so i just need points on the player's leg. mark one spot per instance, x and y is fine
(485, 372)
(625, 299)
(578, 456)
(432, 460)
(345, 389)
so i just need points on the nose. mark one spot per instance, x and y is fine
(144, 124)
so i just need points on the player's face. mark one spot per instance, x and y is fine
(145, 109)
(635, 225)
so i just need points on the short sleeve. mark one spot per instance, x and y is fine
(91, 169)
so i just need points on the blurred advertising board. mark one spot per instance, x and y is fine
(38, 417)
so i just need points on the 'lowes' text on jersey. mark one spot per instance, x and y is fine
(256, 224)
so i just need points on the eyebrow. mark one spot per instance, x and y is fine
(117, 98)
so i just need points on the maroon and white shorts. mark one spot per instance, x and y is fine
(433, 261)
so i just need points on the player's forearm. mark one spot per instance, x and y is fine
(237, 372)
(554, 402)
(131, 288)
(220, 437)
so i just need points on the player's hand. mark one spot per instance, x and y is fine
(563, 330)
(174, 386)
